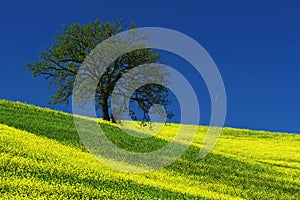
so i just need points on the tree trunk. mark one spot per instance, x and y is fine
(104, 110)
(112, 118)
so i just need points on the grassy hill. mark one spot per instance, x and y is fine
(42, 157)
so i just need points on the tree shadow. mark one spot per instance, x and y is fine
(40, 121)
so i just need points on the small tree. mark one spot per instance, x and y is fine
(60, 64)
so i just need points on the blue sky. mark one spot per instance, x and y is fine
(255, 44)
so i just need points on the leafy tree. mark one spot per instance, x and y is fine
(60, 63)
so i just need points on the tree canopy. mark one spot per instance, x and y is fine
(60, 63)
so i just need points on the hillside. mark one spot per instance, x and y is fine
(41, 157)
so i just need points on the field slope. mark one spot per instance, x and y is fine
(42, 157)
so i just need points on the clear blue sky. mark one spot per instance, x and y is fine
(255, 44)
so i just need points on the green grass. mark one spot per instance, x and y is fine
(42, 157)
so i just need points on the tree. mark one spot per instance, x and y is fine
(60, 64)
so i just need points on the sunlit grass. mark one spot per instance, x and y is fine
(41, 156)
